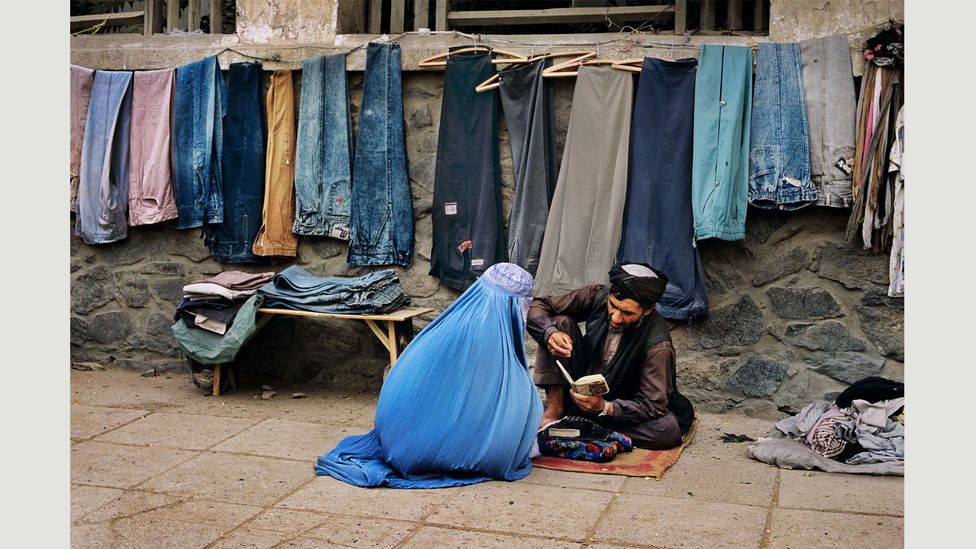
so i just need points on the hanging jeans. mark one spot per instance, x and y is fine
(527, 100)
(103, 189)
(658, 222)
(584, 223)
(468, 232)
(720, 165)
(198, 142)
(275, 236)
(151, 198)
(779, 156)
(828, 84)
(81, 86)
(381, 213)
(243, 168)
(323, 170)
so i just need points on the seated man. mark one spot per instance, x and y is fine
(628, 342)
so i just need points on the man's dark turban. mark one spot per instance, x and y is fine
(637, 281)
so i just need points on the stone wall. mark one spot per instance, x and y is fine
(796, 313)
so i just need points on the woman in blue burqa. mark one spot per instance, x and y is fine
(458, 407)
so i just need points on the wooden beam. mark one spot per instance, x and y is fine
(375, 16)
(120, 18)
(733, 18)
(553, 15)
(421, 9)
(193, 15)
(172, 15)
(707, 16)
(398, 9)
(680, 16)
(154, 18)
(440, 20)
(216, 17)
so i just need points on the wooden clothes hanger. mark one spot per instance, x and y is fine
(493, 82)
(632, 65)
(440, 60)
(571, 67)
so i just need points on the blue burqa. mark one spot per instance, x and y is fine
(458, 407)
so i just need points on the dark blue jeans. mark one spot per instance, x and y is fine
(323, 159)
(297, 289)
(381, 213)
(243, 168)
(658, 224)
(467, 211)
(103, 189)
(200, 105)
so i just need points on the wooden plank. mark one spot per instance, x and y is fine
(554, 15)
(375, 16)
(402, 314)
(759, 15)
(154, 18)
(120, 18)
(398, 9)
(680, 16)
(216, 17)
(440, 18)
(733, 18)
(193, 15)
(172, 15)
(421, 9)
(707, 15)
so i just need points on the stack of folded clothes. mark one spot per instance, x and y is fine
(378, 292)
(212, 303)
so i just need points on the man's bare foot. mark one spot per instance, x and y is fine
(546, 418)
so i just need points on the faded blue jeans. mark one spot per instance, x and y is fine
(296, 288)
(200, 106)
(103, 189)
(381, 216)
(323, 165)
(779, 157)
(243, 168)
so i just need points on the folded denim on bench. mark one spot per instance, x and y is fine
(294, 288)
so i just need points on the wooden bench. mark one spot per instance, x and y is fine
(394, 330)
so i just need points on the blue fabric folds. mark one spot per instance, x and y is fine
(294, 288)
(458, 407)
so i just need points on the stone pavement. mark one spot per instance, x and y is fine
(154, 463)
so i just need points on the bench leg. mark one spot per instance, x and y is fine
(218, 368)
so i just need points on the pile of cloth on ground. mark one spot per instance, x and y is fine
(212, 303)
(863, 427)
(582, 439)
(378, 292)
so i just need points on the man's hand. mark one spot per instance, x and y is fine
(592, 404)
(560, 345)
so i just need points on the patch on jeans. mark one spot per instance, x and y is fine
(792, 181)
(450, 208)
(844, 165)
(477, 262)
(465, 246)
(340, 231)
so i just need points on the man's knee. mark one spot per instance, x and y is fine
(659, 433)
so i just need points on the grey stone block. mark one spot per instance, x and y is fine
(758, 377)
(827, 336)
(853, 267)
(847, 366)
(92, 289)
(779, 266)
(163, 268)
(134, 289)
(737, 324)
(111, 327)
(420, 117)
(806, 303)
(79, 330)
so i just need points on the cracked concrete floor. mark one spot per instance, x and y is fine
(154, 463)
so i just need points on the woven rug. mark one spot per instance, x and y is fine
(637, 463)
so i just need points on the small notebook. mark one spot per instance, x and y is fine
(591, 385)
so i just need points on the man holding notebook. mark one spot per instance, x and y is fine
(626, 341)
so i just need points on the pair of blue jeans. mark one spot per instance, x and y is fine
(323, 159)
(103, 188)
(198, 112)
(381, 213)
(658, 222)
(779, 156)
(242, 168)
(294, 288)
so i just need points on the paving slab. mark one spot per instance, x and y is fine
(288, 521)
(671, 522)
(85, 499)
(708, 439)
(117, 388)
(120, 466)
(235, 478)
(328, 495)
(443, 537)
(571, 479)
(524, 509)
(250, 538)
(361, 532)
(703, 478)
(131, 503)
(185, 431)
(142, 533)
(89, 421)
(814, 529)
(287, 439)
(883, 495)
